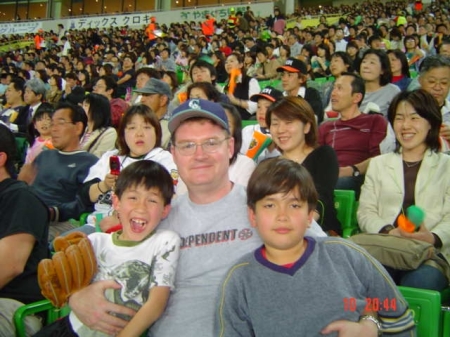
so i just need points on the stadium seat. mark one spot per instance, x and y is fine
(345, 204)
(33, 308)
(320, 80)
(22, 146)
(249, 122)
(426, 305)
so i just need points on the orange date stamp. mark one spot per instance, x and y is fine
(372, 304)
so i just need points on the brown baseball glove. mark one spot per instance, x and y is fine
(71, 268)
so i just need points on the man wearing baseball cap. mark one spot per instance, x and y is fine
(264, 99)
(211, 220)
(293, 78)
(156, 94)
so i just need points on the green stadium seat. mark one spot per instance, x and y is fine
(321, 80)
(249, 122)
(33, 308)
(345, 204)
(426, 305)
(22, 146)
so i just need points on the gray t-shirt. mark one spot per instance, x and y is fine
(382, 98)
(213, 237)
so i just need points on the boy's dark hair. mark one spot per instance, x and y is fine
(8, 146)
(279, 175)
(147, 173)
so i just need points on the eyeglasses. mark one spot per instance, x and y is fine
(60, 123)
(208, 146)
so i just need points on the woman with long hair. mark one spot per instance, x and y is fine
(293, 127)
(285, 53)
(239, 87)
(250, 64)
(400, 69)
(219, 63)
(99, 136)
(321, 61)
(375, 70)
(84, 80)
(416, 173)
(53, 96)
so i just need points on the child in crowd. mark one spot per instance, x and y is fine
(40, 130)
(141, 258)
(264, 100)
(299, 285)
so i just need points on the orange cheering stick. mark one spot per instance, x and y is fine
(258, 144)
(232, 83)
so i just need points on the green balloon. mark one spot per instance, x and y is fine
(415, 214)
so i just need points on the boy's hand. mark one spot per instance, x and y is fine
(352, 329)
(93, 310)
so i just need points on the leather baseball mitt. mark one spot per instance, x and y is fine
(71, 268)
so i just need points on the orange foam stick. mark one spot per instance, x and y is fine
(405, 224)
(233, 77)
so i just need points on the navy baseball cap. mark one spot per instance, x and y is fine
(198, 108)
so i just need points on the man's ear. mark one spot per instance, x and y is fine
(79, 128)
(357, 97)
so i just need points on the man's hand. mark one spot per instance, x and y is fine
(94, 311)
(345, 171)
(351, 329)
(27, 173)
